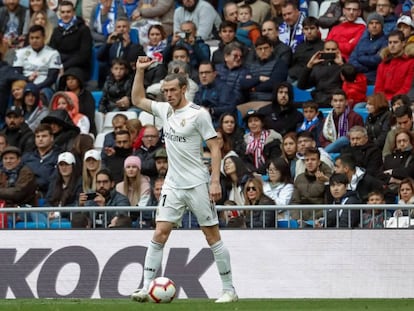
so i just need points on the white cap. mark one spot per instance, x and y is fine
(66, 157)
(405, 20)
(94, 154)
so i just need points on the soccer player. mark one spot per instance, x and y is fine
(185, 126)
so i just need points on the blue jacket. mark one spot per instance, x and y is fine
(365, 57)
(217, 97)
(232, 78)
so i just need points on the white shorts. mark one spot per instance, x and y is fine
(174, 203)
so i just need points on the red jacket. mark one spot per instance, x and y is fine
(395, 75)
(347, 35)
(356, 92)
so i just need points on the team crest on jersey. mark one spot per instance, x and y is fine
(182, 123)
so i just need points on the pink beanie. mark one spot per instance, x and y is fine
(133, 161)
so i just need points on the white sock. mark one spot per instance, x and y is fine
(152, 263)
(222, 258)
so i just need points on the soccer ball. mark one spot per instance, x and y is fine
(161, 290)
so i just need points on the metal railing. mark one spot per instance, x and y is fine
(29, 217)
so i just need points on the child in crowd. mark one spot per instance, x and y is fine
(247, 30)
(354, 85)
(17, 90)
(313, 119)
(374, 218)
(116, 92)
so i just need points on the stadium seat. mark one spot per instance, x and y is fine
(30, 225)
(301, 96)
(134, 36)
(147, 118)
(313, 9)
(97, 95)
(99, 121)
(99, 141)
(370, 90)
(94, 76)
(63, 224)
(287, 224)
(107, 126)
(362, 112)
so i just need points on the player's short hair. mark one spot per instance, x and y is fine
(182, 79)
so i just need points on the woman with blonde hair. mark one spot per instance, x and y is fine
(135, 186)
(40, 18)
(91, 165)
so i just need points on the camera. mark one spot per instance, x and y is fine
(119, 37)
(328, 56)
(90, 196)
(182, 35)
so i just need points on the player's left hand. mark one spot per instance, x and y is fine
(215, 191)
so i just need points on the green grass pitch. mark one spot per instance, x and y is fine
(205, 304)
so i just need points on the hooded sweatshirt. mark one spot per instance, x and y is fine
(78, 119)
(33, 115)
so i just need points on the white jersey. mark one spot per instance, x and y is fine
(184, 132)
(41, 62)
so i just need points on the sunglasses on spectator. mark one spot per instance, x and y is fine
(251, 188)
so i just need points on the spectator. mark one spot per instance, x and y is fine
(367, 155)
(253, 193)
(400, 163)
(232, 133)
(150, 144)
(404, 120)
(396, 71)
(235, 174)
(310, 187)
(201, 13)
(354, 85)
(360, 181)
(291, 30)
(72, 81)
(247, 30)
(333, 15)
(213, 94)
(385, 8)
(405, 197)
(102, 20)
(365, 57)
(188, 37)
(73, 40)
(3, 143)
(118, 124)
(157, 41)
(378, 120)
(17, 181)
(305, 50)
(64, 131)
(259, 9)
(160, 10)
(120, 221)
(135, 186)
(122, 150)
(323, 73)
(275, 12)
(106, 195)
(161, 162)
(33, 108)
(396, 102)
(230, 12)
(406, 25)
(17, 89)
(279, 187)
(262, 144)
(40, 18)
(306, 140)
(263, 73)
(91, 165)
(39, 63)
(69, 101)
(116, 92)
(65, 186)
(36, 6)
(374, 218)
(342, 218)
(227, 34)
(289, 149)
(17, 131)
(232, 71)
(81, 144)
(134, 126)
(281, 115)
(12, 17)
(348, 33)
(337, 123)
(280, 50)
(312, 120)
(147, 218)
(118, 45)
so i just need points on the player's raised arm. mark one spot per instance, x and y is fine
(138, 91)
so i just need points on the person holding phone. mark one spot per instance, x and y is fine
(323, 73)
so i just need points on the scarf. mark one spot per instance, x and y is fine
(12, 175)
(109, 25)
(155, 52)
(66, 26)
(256, 147)
(308, 125)
(330, 132)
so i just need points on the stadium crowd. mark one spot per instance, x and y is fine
(71, 136)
